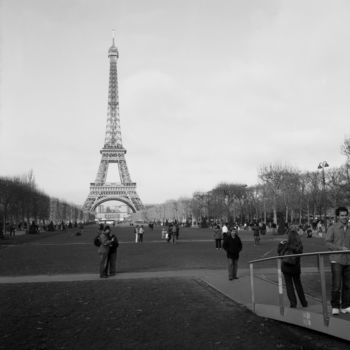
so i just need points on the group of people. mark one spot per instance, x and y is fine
(171, 232)
(139, 231)
(337, 240)
(258, 229)
(228, 239)
(108, 251)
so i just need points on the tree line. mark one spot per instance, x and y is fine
(282, 194)
(22, 202)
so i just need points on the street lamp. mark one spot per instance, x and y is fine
(322, 166)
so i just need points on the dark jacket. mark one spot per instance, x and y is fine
(232, 246)
(284, 249)
(114, 243)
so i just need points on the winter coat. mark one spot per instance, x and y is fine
(105, 242)
(338, 236)
(114, 243)
(217, 233)
(232, 246)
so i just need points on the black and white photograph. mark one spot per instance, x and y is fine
(174, 174)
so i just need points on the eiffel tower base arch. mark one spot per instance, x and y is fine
(103, 199)
(100, 193)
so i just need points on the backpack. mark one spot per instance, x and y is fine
(290, 260)
(284, 250)
(97, 241)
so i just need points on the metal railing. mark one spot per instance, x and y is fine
(321, 270)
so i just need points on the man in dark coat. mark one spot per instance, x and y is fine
(112, 254)
(233, 245)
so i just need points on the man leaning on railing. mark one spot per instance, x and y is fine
(338, 238)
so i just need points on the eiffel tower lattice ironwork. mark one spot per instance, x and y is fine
(113, 152)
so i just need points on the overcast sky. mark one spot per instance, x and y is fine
(209, 90)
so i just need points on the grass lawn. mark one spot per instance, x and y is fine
(154, 313)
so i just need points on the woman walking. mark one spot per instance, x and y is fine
(291, 267)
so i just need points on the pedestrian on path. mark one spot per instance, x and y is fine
(338, 238)
(112, 254)
(103, 251)
(291, 267)
(232, 245)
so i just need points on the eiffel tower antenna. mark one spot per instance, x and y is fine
(113, 152)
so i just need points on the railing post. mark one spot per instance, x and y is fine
(320, 261)
(252, 286)
(280, 286)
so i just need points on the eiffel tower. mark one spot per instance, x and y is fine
(113, 152)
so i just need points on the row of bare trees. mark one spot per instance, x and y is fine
(283, 194)
(21, 201)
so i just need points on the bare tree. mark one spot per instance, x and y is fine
(345, 148)
(228, 196)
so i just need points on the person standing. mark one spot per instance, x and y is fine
(338, 238)
(164, 233)
(136, 231)
(256, 233)
(177, 234)
(12, 230)
(232, 245)
(291, 267)
(217, 237)
(112, 254)
(173, 233)
(103, 251)
(224, 230)
(141, 231)
(170, 232)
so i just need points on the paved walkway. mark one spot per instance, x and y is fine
(217, 275)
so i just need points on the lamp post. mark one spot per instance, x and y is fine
(322, 166)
